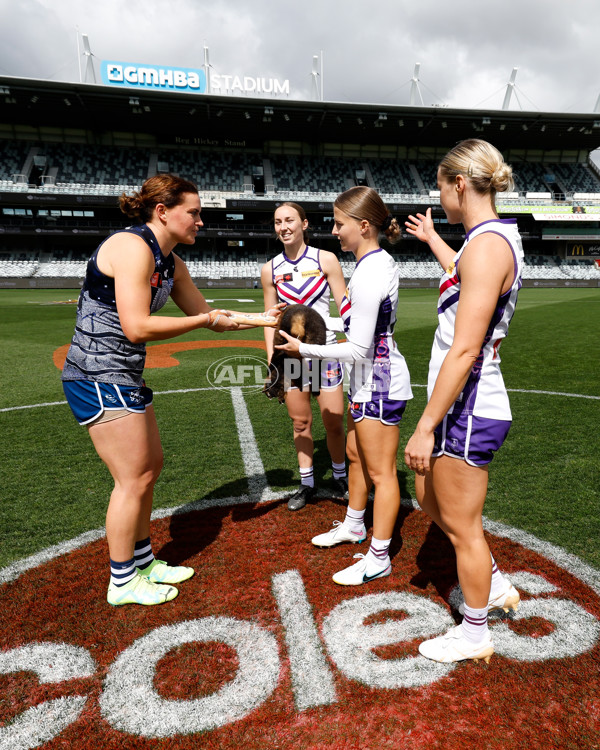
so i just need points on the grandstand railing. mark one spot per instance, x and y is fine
(217, 197)
(410, 267)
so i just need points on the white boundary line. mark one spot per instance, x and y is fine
(414, 385)
(261, 492)
(553, 393)
(561, 557)
(255, 470)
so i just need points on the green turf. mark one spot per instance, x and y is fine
(53, 487)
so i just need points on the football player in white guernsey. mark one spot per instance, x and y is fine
(467, 415)
(379, 381)
(301, 274)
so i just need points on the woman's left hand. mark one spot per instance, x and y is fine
(292, 346)
(417, 453)
(421, 226)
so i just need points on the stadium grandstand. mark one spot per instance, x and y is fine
(68, 150)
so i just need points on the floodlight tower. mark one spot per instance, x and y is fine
(316, 74)
(206, 67)
(414, 87)
(510, 86)
(89, 65)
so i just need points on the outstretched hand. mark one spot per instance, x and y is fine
(276, 310)
(220, 320)
(421, 226)
(292, 346)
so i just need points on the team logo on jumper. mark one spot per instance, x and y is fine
(246, 372)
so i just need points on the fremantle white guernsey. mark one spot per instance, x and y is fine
(484, 394)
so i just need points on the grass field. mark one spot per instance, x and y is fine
(53, 487)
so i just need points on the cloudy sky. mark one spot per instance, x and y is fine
(466, 48)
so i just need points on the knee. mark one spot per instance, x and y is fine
(352, 454)
(463, 536)
(138, 485)
(159, 462)
(384, 477)
(148, 478)
(302, 425)
(152, 472)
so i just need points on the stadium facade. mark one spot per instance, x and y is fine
(68, 150)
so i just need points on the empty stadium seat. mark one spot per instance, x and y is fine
(392, 176)
(203, 265)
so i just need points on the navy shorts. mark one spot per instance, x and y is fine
(89, 400)
(384, 409)
(474, 439)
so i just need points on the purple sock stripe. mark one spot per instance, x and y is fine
(379, 554)
(356, 515)
(307, 477)
(477, 621)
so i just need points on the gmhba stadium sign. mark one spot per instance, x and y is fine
(164, 78)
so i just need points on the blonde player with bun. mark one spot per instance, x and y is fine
(130, 276)
(379, 381)
(468, 416)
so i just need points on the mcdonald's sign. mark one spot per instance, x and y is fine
(578, 249)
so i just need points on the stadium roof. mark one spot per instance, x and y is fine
(172, 116)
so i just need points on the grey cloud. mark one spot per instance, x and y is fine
(466, 48)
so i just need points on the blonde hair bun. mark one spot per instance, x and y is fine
(481, 163)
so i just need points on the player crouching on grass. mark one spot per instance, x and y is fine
(468, 416)
(129, 276)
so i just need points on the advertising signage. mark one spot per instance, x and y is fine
(154, 77)
(579, 250)
(164, 78)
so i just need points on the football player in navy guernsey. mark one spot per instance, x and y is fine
(130, 276)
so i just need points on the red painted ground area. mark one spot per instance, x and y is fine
(237, 552)
(162, 355)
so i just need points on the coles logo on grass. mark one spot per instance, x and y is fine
(262, 650)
